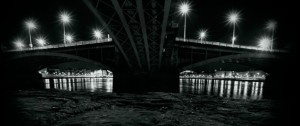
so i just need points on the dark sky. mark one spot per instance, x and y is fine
(208, 14)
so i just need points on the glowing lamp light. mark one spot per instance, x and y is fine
(271, 25)
(30, 24)
(19, 43)
(265, 43)
(232, 18)
(41, 41)
(184, 8)
(202, 34)
(97, 34)
(233, 38)
(69, 38)
(65, 17)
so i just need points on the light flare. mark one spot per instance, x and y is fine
(69, 38)
(41, 41)
(19, 43)
(97, 34)
(65, 17)
(184, 8)
(265, 42)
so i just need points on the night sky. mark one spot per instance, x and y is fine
(207, 14)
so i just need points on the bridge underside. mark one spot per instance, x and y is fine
(268, 62)
(244, 64)
(141, 31)
(21, 72)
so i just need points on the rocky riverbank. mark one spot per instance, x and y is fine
(50, 107)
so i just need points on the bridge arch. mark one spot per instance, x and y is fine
(62, 55)
(265, 56)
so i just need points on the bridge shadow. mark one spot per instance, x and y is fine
(21, 71)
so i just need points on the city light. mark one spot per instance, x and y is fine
(69, 38)
(271, 26)
(41, 41)
(233, 18)
(202, 35)
(64, 18)
(30, 24)
(184, 8)
(233, 38)
(264, 42)
(97, 34)
(19, 43)
(76, 73)
(246, 75)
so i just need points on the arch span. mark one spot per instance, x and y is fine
(62, 55)
(232, 57)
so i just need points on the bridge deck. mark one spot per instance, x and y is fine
(227, 45)
(62, 45)
(221, 44)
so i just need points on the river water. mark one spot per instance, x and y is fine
(81, 84)
(236, 89)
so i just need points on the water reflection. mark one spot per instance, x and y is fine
(236, 89)
(80, 84)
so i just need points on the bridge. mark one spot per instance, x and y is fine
(143, 51)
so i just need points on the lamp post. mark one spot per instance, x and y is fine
(202, 35)
(265, 43)
(271, 25)
(65, 19)
(19, 43)
(97, 34)
(30, 24)
(233, 18)
(69, 38)
(184, 9)
(41, 41)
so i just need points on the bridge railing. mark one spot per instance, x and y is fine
(79, 43)
(227, 45)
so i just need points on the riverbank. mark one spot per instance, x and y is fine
(51, 107)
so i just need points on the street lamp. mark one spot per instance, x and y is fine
(233, 18)
(41, 41)
(184, 8)
(30, 24)
(264, 42)
(19, 43)
(202, 35)
(69, 38)
(271, 25)
(64, 17)
(97, 34)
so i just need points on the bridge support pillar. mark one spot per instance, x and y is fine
(138, 82)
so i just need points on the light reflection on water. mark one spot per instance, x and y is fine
(80, 84)
(237, 89)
